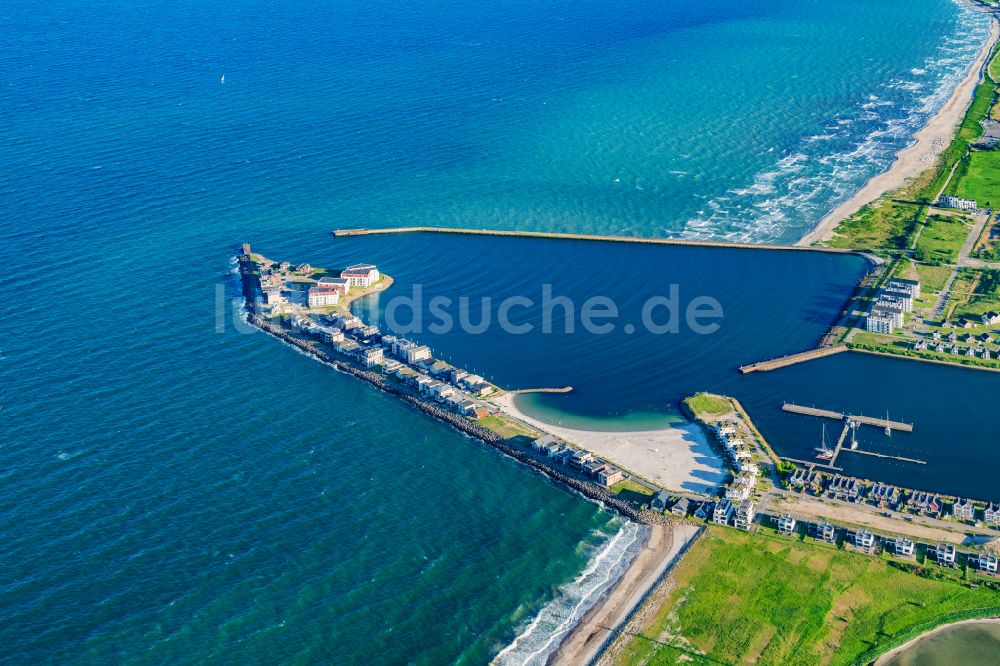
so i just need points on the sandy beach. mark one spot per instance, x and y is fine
(677, 458)
(658, 554)
(905, 646)
(922, 154)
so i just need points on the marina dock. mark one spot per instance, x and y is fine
(792, 359)
(850, 421)
(883, 455)
(863, 420)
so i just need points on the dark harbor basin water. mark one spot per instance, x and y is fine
(773, 302)
(971, 643)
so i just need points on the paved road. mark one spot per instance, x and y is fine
(970, 241)
(815, 507)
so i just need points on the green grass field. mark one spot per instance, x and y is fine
(505, 427)
(932, 278)
(632, 491)
(942, 238)
(742, 598)
(705, 404)
(980, 179)
(985, 296)
(994, 68)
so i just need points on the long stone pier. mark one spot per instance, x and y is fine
(564, 389)
(339, 233)
(864, 420)
(792, 359)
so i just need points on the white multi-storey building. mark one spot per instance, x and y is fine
(902, 284)
(343, 285)
(877, 323)
(949, 201)
(361, 275)
(322, 297)
(413, 353)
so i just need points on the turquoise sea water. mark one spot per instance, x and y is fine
(174, 490)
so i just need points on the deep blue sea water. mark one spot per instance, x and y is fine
(174, 490)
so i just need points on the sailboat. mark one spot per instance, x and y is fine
(854, 435)
(223, 79)
(824, 452)
(888, 430)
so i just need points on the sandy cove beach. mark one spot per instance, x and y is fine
(922, 154)
(658, 554)
(905, 646)
(678, 458)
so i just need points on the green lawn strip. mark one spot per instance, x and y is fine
(740, 596)
(869, 338)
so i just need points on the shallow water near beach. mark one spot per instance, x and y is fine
(962, 644)
(175, 490)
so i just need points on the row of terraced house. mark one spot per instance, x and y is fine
(740, 454)
(887, 496)
(413, 364)
(583, 461)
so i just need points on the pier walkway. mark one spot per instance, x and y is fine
(564, 389)
(792, 359)
(864, 420)
(340, 233)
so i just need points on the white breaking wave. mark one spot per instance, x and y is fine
(557, 618)
(826, 169)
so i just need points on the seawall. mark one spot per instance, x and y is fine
(339, 233)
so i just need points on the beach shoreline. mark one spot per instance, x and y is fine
(672, 457)
(587, 640)
(883, 659)
(920, 155)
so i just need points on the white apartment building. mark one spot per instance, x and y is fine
(949, 201)
(360, 275)
(320, 297)
(876, 323)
